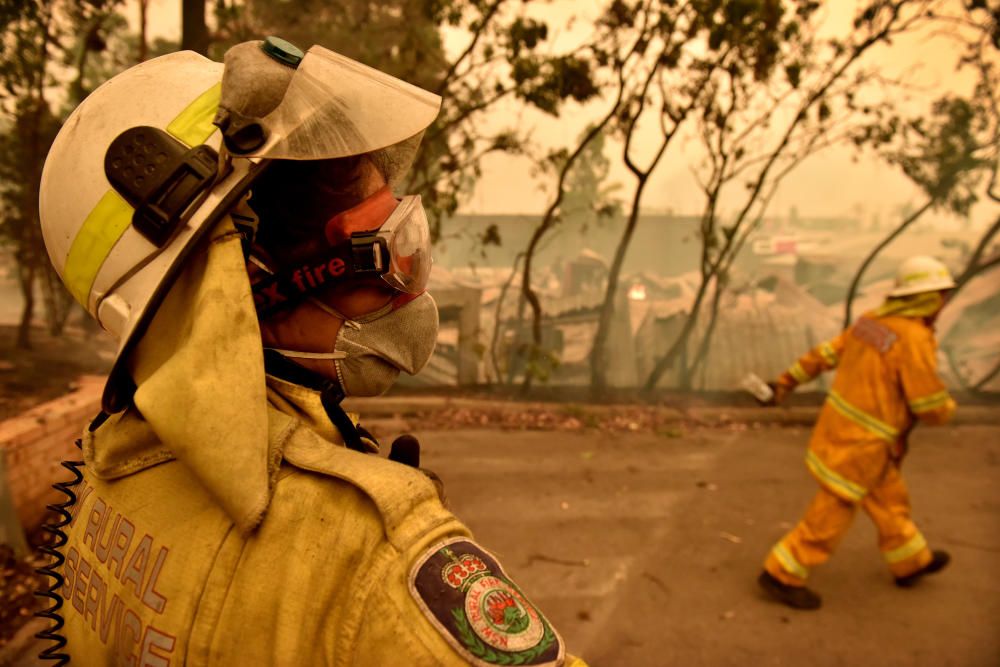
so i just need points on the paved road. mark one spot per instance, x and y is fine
(643, 549)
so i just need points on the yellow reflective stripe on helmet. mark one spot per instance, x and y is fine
(861, 418)
(843, 487)
(799, 373)
(102, 228)
(932, 402)
(112, 215)
(194, 124)
(913, 546)
(788, 561)
(829, 355)
(924, 275)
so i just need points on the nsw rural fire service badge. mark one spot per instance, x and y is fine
(482, 613)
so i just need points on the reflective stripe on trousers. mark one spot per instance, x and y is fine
(812, 541)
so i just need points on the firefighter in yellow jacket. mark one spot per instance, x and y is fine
(886, 381)
(234, 227)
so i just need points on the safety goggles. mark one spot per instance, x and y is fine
(398, 252)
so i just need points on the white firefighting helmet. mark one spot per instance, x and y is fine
(921, 274)
(139, 171)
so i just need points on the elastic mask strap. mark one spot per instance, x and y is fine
(404, 298)
(330, 394)
(330, 310)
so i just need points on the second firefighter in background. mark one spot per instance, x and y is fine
(886, 381)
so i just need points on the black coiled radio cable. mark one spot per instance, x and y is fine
(56, 559)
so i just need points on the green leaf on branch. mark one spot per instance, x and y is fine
(491, 236)
(794, 72)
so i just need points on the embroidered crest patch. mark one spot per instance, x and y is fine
(464, 592)
(872, 333)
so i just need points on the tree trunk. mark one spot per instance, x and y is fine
(26, 278)
(143, 46)
(550, 218)
(598, 353)
(680, 343)
(194, 30)
(856, 281)
(58, 302)
(701, 355)
(497, 323)
(515, 353)
(974, 265)
(30, 249)
(78, 90)
(986, 378)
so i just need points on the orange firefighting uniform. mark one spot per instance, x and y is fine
(886, 380)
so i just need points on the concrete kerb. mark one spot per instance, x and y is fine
(413, 407)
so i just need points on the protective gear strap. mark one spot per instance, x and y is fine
(329, 391)
(367, 216)
(404, 298)
(362, 255)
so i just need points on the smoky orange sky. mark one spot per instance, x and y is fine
(836, 182)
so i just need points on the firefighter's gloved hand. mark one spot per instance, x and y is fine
(406, 450)
(779, 394)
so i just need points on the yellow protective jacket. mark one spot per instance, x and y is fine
(886, 379)
(221, 521)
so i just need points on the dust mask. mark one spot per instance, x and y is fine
(394, 245)
(370, 352)
(376, 349)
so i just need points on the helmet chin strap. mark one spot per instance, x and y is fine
(330, 393)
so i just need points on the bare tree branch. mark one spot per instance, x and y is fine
(477, 34)
(874, 252)
(550, 214)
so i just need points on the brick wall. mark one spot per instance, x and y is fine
(37, 441)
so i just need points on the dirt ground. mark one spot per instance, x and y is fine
(643, 549)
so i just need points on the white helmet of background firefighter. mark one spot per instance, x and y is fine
(921, 274)
(156, 155)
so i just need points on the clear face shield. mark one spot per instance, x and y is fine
(398, 252)
(332, 107)
(327, 106)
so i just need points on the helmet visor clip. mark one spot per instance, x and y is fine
(160, 177)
